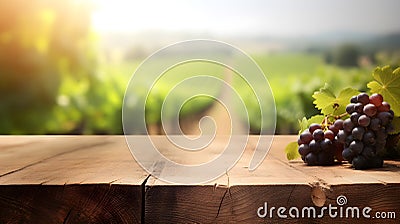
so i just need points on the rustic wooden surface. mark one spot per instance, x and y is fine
(94, 179)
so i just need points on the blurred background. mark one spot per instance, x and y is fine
(65, 65)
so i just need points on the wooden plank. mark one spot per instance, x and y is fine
(69, 179)
(86, 203)
(86, 179)
(236, 197)
(84, 160)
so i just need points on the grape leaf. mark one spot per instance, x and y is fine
(305, 123)
(387, 83)
(292, 151)
(329, 103)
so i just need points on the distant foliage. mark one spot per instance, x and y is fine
(346, 55)
(43, 43)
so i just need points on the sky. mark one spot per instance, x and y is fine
(249, 17)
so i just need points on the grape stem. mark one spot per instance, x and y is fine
(325, 123)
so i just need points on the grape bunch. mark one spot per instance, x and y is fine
(319, 147)
(365, 132)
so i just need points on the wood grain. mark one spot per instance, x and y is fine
(94, 179)
(69, 179)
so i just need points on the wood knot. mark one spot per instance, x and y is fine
(318, 196)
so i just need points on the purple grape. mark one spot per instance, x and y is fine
(358, 133)
(364, 120)
(314, 146)
(304, 149)
(353, 99)
(333, 129)
(363, 98)
(313, 127)
(306, 137)
(360, 163)
(347, 154)
(385, 117)
(329, 135)
(341, 136)
(356, 147)
(359, 107)
(348, 125)
(326, 145)
(350, 108)
(368, 152)
(318, 135)
(369, 138)
(385, 107)
(311, 159)
(376, 99)
(375, 124)
(354, 117)
(370, 110)
(338, 124)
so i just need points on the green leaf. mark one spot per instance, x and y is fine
(305, 123)
(329, 103)
(396, 126)
(292, 151)
(387, 83)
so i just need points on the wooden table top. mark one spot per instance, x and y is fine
(78, 174)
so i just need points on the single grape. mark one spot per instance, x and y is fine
(358, 133)
(318, 135)
(369, 138)
(304, 149)
(354, 117)
(363, 98)
(350, 108)
(364, 120)
(368, 152)
(347, 154)
(376, 99)
(353, 99)
(375, 124)
(370, 110)
(314, 146)
(360, 163)
(359, 107)
(329, 135)
(338, 124)
(311, 159)
(333, 129)
(306, 137)
(385, 107)
(313, 127)
(356, 146)
(341, 136)
(326, 145)
(348, 125)
(299, 141)
(385, 117)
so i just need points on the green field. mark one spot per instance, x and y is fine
(293, 78)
